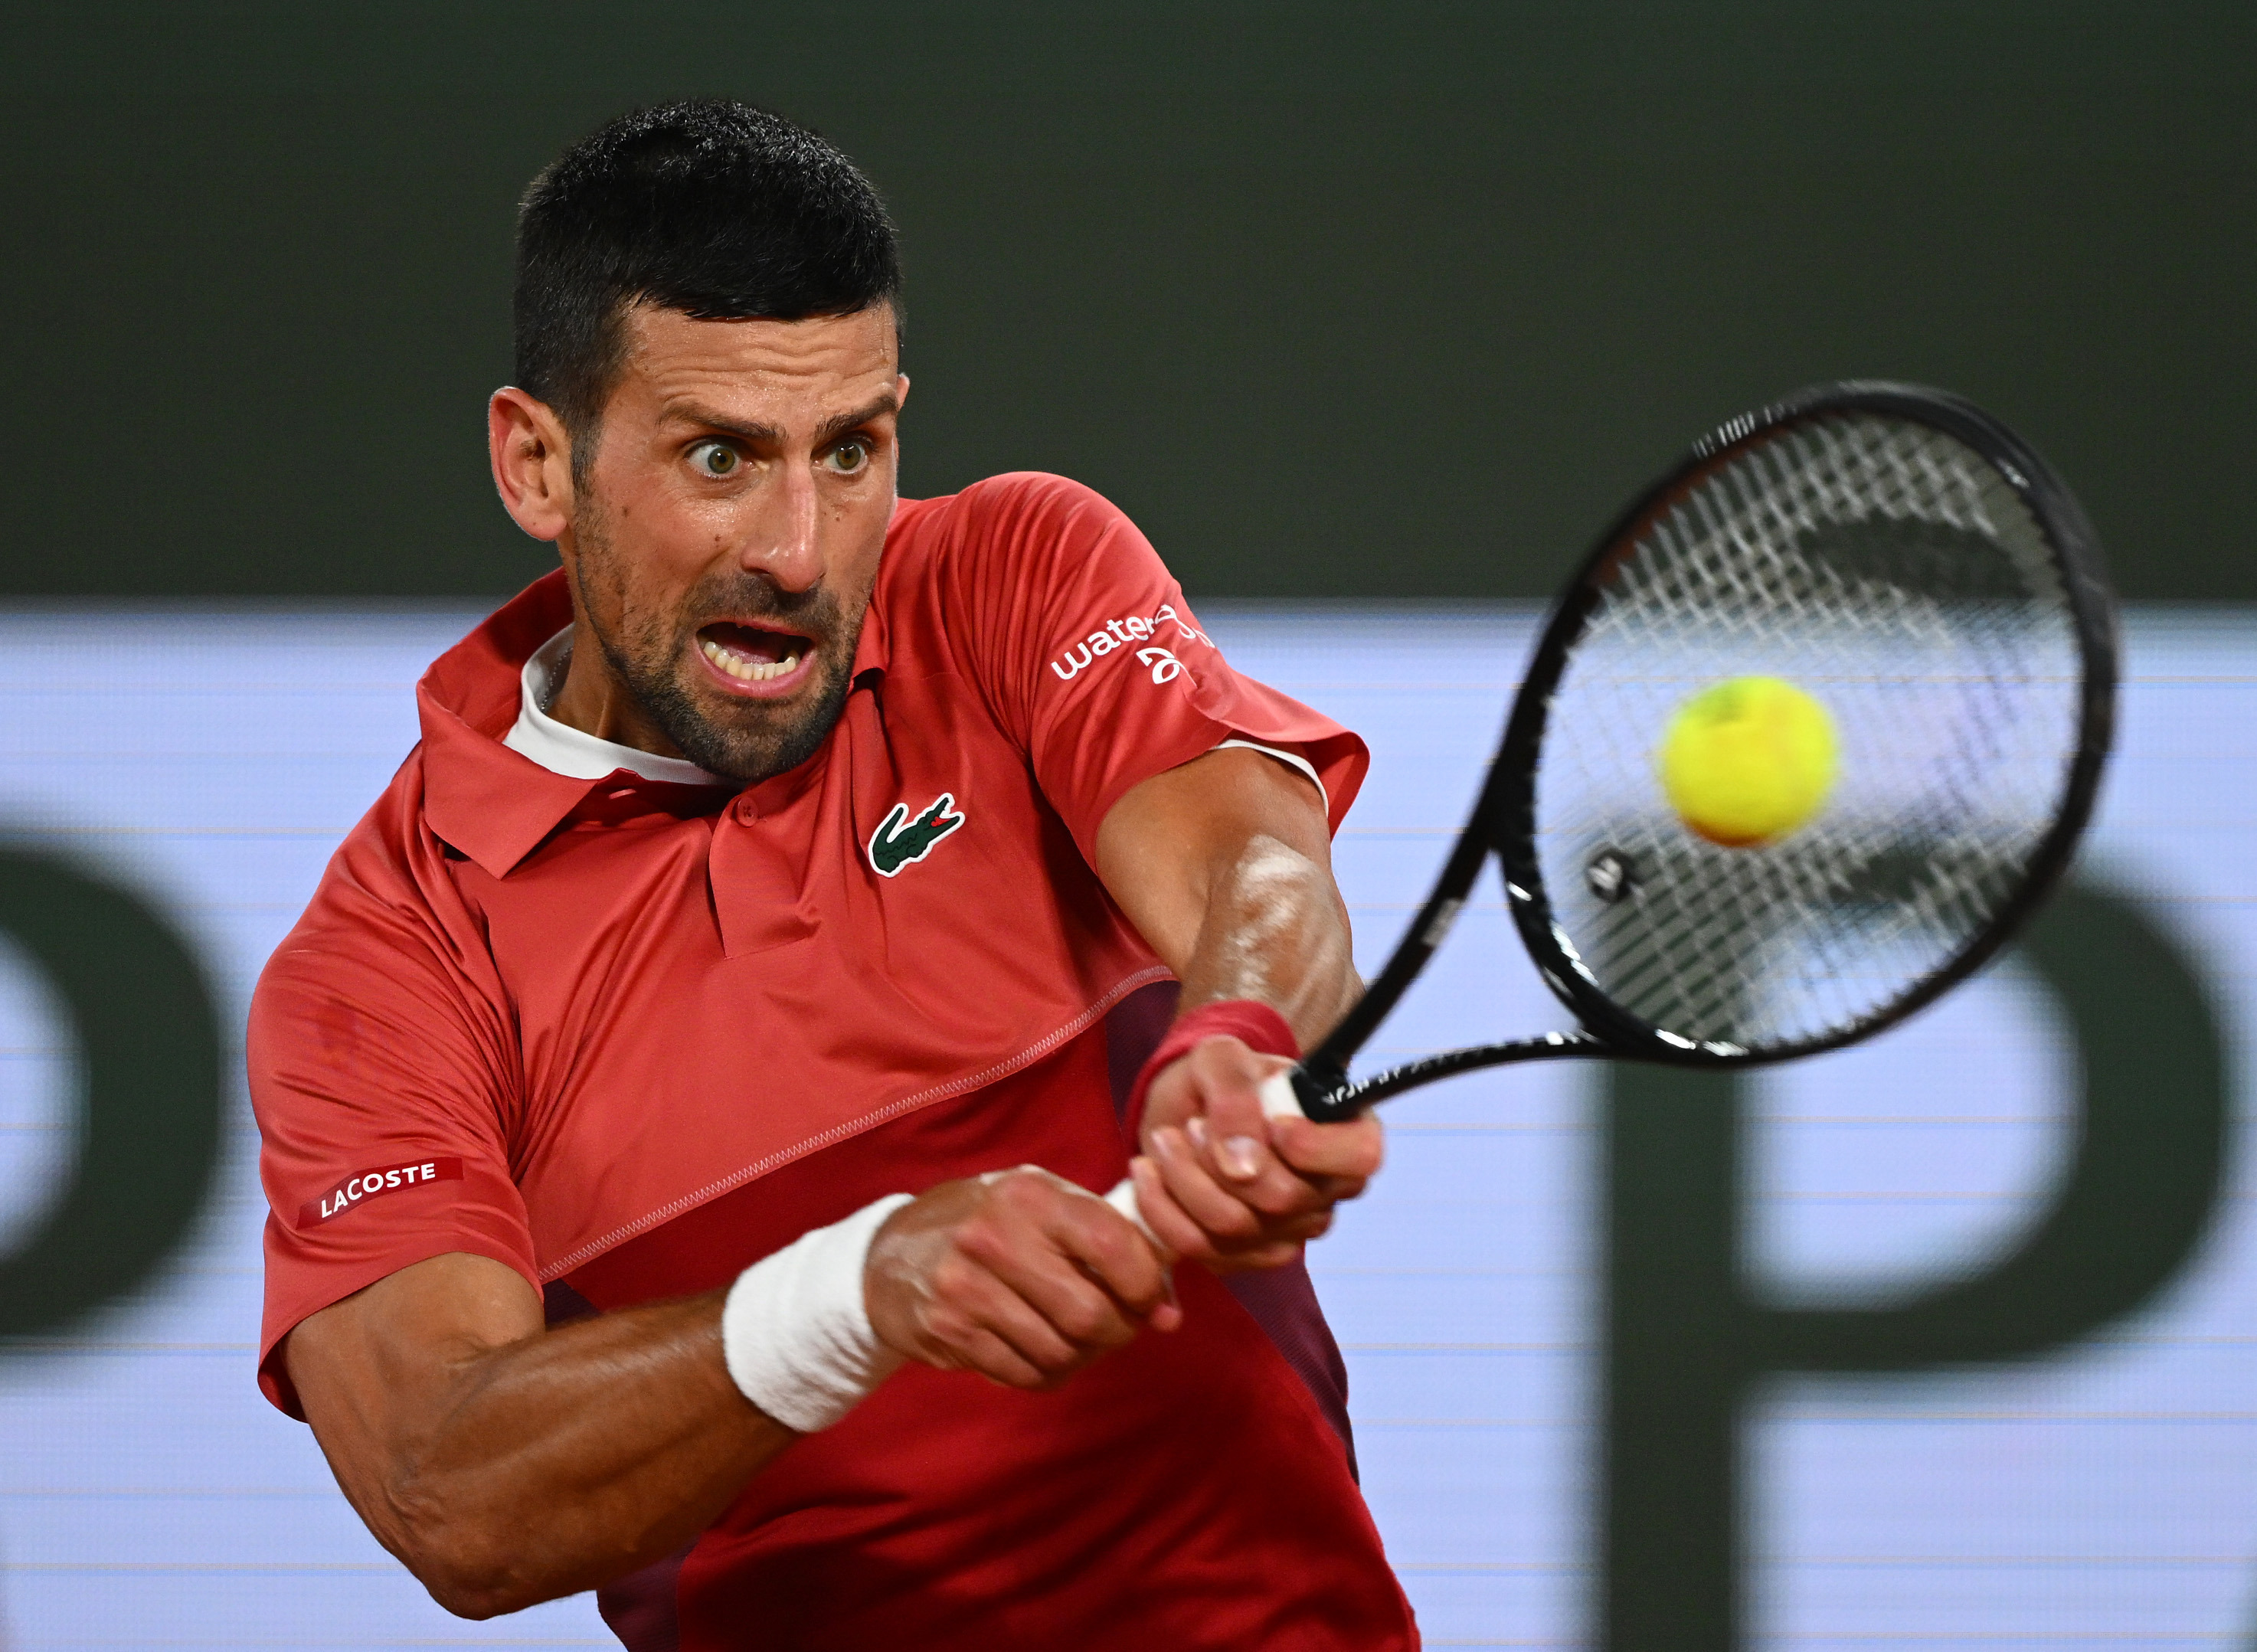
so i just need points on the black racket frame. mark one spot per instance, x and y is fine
(1503, 821)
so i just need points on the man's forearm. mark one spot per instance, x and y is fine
(1224, 865)
(1275, 931)
(510, 1474)
(575, 1457)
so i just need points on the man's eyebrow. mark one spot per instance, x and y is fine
(768, 435)
(690, 412)
(886, 401)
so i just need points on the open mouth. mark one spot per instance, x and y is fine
(750, 654)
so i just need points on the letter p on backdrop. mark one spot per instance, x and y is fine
(1689, 1342)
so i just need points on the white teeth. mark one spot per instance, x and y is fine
(747, 671)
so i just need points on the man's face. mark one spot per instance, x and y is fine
(725, 537)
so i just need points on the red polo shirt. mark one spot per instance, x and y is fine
(628, 1036)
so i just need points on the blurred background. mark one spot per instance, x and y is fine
(1372, 317)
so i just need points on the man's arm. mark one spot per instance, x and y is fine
(1224, 865)
(507, 1465)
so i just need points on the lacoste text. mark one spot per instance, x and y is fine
(390, 1178)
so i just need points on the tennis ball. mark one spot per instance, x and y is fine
(1748, 760)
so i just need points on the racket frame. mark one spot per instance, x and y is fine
(1503, 819)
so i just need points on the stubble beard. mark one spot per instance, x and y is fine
(650, 654)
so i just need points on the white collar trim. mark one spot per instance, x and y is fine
(563, 749)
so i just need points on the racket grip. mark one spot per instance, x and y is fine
(1278, 1101)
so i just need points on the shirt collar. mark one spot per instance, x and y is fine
(495, 804)
(563, 749)
(492, 804)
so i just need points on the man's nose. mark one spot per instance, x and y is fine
(783, 543)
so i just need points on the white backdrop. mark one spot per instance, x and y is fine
(2107, 1498)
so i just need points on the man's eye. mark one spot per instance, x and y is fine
(849, 458)
(715, 459)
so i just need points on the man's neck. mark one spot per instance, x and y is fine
(593, 700)
(566, 748)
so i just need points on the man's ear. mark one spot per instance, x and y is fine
(532, 458)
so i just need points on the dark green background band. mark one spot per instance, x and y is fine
(1349, 301)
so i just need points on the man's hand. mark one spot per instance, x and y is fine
(1221, 1183)
(1019, 1275)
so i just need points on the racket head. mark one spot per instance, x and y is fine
(1918, 568)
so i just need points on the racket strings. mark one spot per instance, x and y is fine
(1892, 573)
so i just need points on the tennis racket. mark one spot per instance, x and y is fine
(1900, 557)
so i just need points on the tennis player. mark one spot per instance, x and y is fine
(683, 1099)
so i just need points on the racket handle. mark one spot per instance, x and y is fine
(1278, 1101)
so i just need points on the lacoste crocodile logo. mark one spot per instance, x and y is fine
(894, 846)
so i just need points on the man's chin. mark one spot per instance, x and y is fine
(756, 740)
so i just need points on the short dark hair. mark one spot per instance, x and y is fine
(711, 207)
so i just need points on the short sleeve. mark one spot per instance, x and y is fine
(1093, 660)
(377, 1072)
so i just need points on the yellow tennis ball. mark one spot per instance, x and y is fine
(1749, 760)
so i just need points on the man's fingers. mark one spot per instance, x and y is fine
(1019, 1275)
(1230, 1131)
(1252, 1169)
(1252, 1188)
(1220, 1209)
(1076, 1317)
(1164, 1216)
(1258, 1242)
(1098, 1242)
(1350, 1151)
(989, 1355)
(1119, 1258)
(968, 1298)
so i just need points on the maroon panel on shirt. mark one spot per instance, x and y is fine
(641, 1607)
(1283, 1301)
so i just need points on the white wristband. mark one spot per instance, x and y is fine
(793, 1331)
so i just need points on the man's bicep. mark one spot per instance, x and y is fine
(373, 1370)
(1161, 846)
